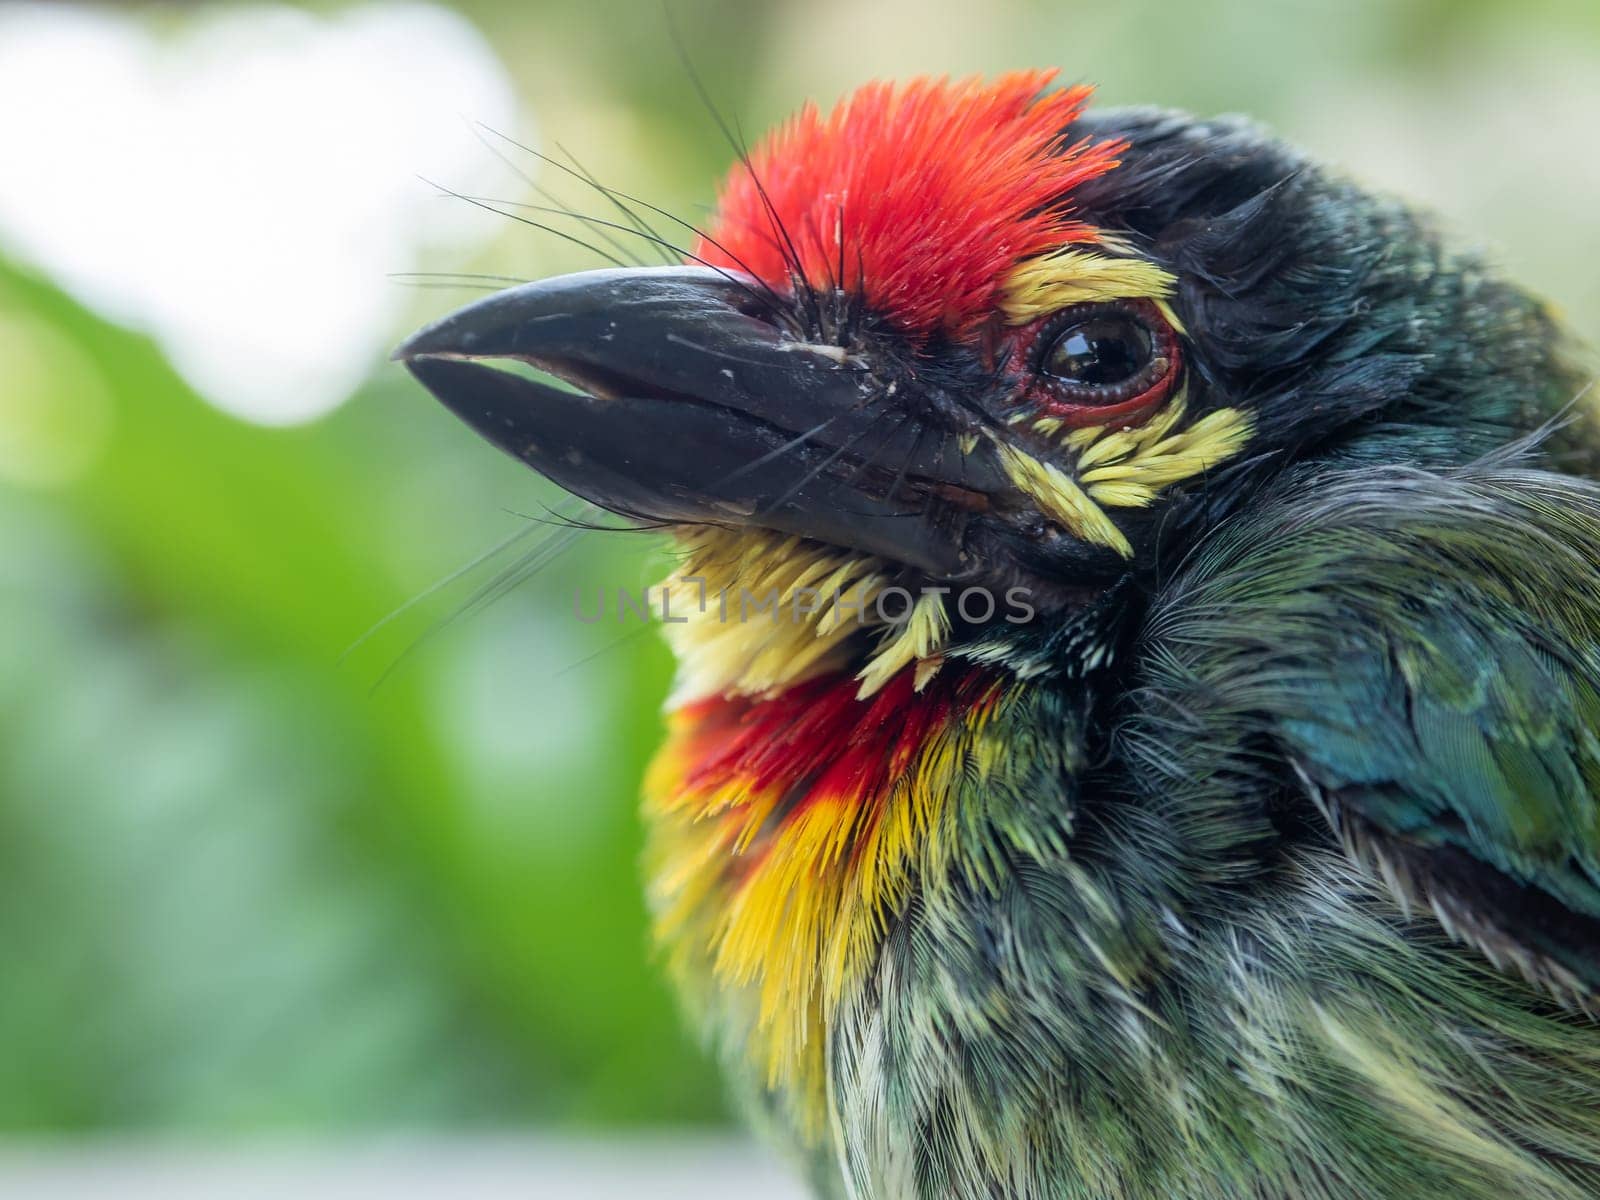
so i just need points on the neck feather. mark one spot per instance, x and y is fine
(786, 833)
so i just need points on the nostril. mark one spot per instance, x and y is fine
(759, 308)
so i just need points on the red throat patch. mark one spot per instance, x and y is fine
(920, 196)
(785, 831)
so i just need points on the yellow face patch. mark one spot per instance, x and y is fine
(1127, 468)
(1061, 499)
(1041, 286)
(1124, 467)
(1115, 466)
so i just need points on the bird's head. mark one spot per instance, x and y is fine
(966, 336)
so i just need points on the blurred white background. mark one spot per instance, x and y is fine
(268, 929)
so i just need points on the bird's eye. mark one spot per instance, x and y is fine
(1099, 352)
(1104, 362)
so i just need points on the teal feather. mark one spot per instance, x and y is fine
(1425, 650)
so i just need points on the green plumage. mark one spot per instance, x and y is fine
(1321, 915)
(1425, 651)
(1182, 1000)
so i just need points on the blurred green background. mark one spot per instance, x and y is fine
(246, 886)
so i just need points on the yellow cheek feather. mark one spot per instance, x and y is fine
(1122, 467)
(754, 612)
(1128, 468)
(1061, 500)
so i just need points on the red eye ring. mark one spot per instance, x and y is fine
(1120, 359)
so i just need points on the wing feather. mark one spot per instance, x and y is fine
(1422, 654)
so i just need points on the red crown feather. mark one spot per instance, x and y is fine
(923, 195)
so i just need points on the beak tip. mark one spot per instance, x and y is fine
(414, 345)
(425, 341)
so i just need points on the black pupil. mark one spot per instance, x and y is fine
(1100, 351)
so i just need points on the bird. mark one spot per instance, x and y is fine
(1136, 594)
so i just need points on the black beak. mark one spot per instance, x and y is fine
(693, 404)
